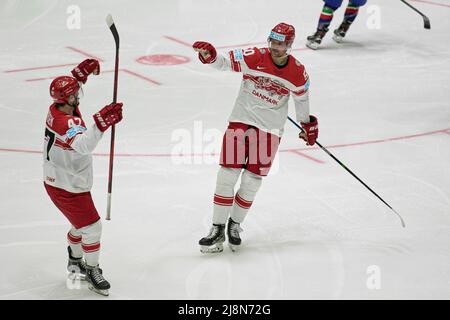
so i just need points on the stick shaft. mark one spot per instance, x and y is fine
(426, 20)
(113, 127)
(349, 171)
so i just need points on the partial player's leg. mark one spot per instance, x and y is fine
(326, 16)
(250, 184)
(350, 15)
(79, 209)
(76, 266)
(262, 148)
(223, 201)
(91, 235)
(232, 159)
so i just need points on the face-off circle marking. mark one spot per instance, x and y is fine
(163, 59)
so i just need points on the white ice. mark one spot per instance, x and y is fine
(313, 232)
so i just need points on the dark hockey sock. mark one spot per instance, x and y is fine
(351, 13)
(325, 18)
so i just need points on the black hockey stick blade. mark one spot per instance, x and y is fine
(351, 172)
(426, 20)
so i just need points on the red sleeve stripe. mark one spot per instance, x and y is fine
(235, 65)
(62, 144)
(69, 141)
(243, 203)
(299, 93)
(87, 248)
(73, 239)
(223, 201)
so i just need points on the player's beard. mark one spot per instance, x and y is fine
(76, 100)
(73, 106)
(75, 103)
(278, 53)
(278, 56)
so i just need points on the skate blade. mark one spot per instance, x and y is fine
(233, 247)
(312, 45)
(99, 291)
(338, 39)
(212, 249)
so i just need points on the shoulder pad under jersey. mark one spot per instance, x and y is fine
(250, 56)
(63, 124)
(299, 75)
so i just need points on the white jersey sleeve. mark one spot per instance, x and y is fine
(221, 63)
(85, 143)
(234, 61)
(302, 106)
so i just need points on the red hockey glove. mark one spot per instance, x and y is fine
(85, 68)
(109, 115)
(206, 51)
(311, 131)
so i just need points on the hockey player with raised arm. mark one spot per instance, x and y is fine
(68, 148)
(270, 76)
(326, 16)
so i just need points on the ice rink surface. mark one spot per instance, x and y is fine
(382, 100)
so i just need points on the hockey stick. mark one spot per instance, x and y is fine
(426, 20)
(112, 27)
(349, 171)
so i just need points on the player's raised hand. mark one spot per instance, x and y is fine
(109, 115)
(311, 131)
(85, 68)
(206, 51)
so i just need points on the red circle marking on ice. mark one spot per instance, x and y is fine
(163, 59)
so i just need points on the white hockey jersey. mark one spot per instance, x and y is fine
(265, 90)
(67, 151)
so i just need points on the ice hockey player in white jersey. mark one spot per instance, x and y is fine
(270, 76)
(68, 170)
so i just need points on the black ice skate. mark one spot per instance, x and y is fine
(233, 229)
(213, 242)
(340, 32)
(76, 267)
(97, 282)
(316, 39)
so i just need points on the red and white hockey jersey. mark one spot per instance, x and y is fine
(265, 90)
(67, 151)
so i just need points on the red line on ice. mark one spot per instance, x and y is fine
(241, 45)
(54, 66)
(306, 156)
(41, 68)
(85, 53)
(301, 49)
(433, 3)
(178, 41)
(184, 43)
(444, 131)
(374, 141)
(19, 150)
(40, 79)
(227, 46)
(106, 71)
(140, 76)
